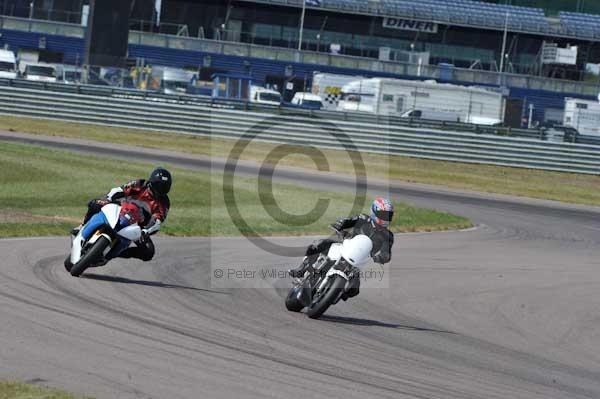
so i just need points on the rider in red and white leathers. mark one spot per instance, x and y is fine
(151, 197)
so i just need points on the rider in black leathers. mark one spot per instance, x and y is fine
(375, 227)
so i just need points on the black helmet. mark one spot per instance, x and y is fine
(160, 181)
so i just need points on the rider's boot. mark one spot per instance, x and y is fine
(354, 286)
(300, 270)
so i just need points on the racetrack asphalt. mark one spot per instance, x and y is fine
(509, 309)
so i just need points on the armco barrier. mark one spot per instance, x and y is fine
(283, 110)
(223, 120)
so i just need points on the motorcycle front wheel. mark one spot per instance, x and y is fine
(68, 264)
(324, 301)
(94, 253)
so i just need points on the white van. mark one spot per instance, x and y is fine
(261, 95)
(308, 100)
(40, 72)
(8, 64)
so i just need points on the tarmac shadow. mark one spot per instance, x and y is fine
(374, 323)
(124, 280)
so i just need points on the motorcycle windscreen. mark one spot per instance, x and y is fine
(111, 213)
(335, 251)
(357, 250)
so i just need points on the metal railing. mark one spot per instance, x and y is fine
(132, 109)
(39, 26)
(284, 109)
(366, 64)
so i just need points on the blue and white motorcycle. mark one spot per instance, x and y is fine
(108, 232)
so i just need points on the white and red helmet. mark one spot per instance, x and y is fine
(382, 211)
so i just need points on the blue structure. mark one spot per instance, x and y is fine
(259, 69)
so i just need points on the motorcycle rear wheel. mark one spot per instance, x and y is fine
(94, 253)
(291, 301)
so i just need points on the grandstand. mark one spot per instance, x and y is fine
(554, 7)
(261, 37)
(454, 24)
(584, 25)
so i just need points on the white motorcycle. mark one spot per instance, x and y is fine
(115, 226)
(324, 284)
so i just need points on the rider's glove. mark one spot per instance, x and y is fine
(339, 225)
(152, 229)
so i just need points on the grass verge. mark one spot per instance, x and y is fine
(566, 187)
(18, 390)
(45, 192)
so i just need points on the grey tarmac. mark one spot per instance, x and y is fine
(509, 309)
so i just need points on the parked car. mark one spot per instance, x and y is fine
(560, 134)
(40, 72)
(261, 95)
(307, 100)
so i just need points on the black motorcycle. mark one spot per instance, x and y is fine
(325, 282)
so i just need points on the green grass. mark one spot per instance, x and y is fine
(18, 390)
(45, 192)
(573, 188)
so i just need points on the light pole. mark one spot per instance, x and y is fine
(504, 44)
(302, 24)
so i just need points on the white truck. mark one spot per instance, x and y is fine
(261, 95)
(328, 86)
(8, 64)
(423, 99)
(582, 115)
(40, 72)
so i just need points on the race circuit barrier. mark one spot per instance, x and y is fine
(221, 119)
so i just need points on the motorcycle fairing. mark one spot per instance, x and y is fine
(131, 233)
